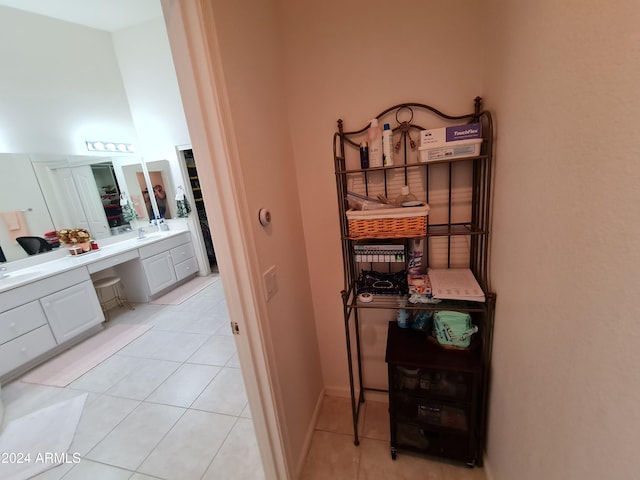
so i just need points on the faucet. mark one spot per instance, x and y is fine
(141, 232)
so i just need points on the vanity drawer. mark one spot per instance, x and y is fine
(23, 349)
(21, 320)
(112, 261)
(182, 253)
(164, 245)
(186, 268)
(35, 290)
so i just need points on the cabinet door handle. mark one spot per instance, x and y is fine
(12, 325)
(23, 350)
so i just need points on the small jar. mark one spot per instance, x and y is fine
(410, 377)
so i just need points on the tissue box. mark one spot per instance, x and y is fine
(459, 141)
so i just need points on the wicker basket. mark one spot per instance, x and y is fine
(405, 222)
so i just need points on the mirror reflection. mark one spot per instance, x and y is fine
(40, 194)
(154, 187)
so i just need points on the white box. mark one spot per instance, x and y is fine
(459, 141)
(428, 154)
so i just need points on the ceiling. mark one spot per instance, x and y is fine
(109, 15)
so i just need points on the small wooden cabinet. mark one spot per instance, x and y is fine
(432, 397)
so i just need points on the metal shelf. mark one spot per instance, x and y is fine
(468, 221)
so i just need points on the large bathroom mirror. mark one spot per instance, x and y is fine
(150, 185)
(40, 194)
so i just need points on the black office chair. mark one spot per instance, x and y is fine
(34, 245)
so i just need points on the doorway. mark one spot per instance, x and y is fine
(191, 173)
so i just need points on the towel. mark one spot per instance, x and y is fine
(15, 224)
(182, 205)
(183, 208)
(138, 206)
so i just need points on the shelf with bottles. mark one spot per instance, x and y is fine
(404, 166)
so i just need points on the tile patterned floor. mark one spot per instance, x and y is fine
(334, 456)
(171, 405)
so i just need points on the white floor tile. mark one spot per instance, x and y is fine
(136, 436)
(104, 376)
(87, 469)
(187, 450)
(184, 385)
(217, 350)
(246, 413)
(195, 322)
(137, 415)
(239, 457)
(142, 476)
(21, 398)
(163, 345)
(55, 473)
(225, 394)
(144, 379)
(99, 417)
(234, 361)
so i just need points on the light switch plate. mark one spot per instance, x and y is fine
(270, 282)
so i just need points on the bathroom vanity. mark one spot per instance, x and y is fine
(46, 308)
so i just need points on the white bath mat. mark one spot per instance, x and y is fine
(40, 440)
(72, 364)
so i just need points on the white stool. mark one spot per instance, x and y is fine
(118, 297)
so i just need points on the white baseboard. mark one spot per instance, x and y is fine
(309, 436)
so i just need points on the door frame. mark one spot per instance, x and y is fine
(192, 37)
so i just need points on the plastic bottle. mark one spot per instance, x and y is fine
(387, 145)
(403, 318)
(375, 144)
(404, 197)
(364, 155)
(416, 248)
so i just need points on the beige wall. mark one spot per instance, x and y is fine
(352, 60)
(251, 68)
(563, 79)
(560, 79)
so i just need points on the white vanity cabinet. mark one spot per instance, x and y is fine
(38, 317)
(24, 335)
(168, 262)
(159, 272)
(42, 313)
(72, 311)
(184, 261)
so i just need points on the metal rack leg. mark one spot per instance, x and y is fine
(355, 408)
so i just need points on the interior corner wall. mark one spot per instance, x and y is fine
(351, 60)
(561, 79)
(149, 78)
(60, 86)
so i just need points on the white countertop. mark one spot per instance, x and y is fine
(66, 261)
